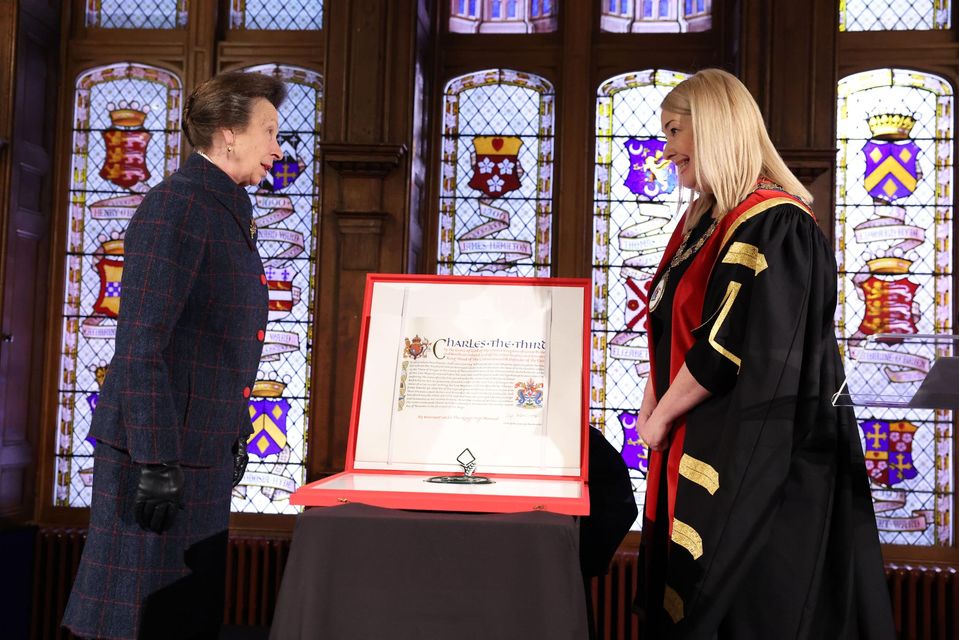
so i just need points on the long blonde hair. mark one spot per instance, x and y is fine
(730, 142)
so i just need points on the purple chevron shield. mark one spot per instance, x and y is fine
(891, 170)
(268, 416)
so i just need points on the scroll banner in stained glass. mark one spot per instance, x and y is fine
(496, 168)
(477, 240)
(268, 211)
(650, 174)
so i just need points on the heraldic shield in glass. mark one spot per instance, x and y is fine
(126, 138)
(496, 175)
(635, 210)
(894, 15)
(655, 16)
(894, 235)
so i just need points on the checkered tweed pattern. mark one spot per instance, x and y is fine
(137, 584)
(188, 345)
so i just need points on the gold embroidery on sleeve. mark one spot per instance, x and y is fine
(731, 292)
(673, 604)
(702, 473)
(687, 537)
(747, 255)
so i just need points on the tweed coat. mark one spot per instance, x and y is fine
(194, 303)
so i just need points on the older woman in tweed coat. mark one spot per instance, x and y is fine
(172, 420)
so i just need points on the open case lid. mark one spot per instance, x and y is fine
(918, 371)
(491, 364)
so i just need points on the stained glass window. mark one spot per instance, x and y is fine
(276, 15)
(894, 237)
(655, 16)
(285, 206)
(894, 15)
(496, 175)
(635, 211)
(126, 139)
(136, 14)
(503, 16)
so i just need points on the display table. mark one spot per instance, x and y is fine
(367, 573)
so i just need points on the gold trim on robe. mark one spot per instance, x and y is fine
(747, 255)
(731, 292)
(700, 472)
(673, 604)
(756, 210)
(688, 538)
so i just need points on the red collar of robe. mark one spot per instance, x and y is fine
(687, 315)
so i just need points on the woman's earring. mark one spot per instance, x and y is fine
(229, 149)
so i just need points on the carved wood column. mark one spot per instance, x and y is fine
(788, 61)
(365, 220)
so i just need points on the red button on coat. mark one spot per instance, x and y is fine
(246, 392)
(260, 335)
(262, 278)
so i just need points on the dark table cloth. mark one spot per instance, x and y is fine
(366, 573)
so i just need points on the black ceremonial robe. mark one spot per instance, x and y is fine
(758, 521)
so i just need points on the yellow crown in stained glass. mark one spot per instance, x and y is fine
(268, 388)
(112, 247)
(889, 265)
(497, 145)
(891, 126)
(127, 115)
(100, 373)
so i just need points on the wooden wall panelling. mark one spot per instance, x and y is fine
(788, 61)
(31, 36)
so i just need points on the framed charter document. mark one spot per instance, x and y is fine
(470, 395)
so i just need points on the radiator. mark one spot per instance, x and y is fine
(254, 570)
(925, 600)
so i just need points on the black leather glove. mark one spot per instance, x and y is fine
(240, 458)
(158, 496)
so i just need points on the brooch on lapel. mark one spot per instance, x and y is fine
(252, 229)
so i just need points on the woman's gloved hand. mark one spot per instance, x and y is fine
(240, 458)
(158, 496)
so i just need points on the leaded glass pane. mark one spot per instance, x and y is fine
(635, 211)
(502, 16)
(655, 16)
(496, 175)
(126, 139)
(894, 15)
(286, 207)
(136, 14)
(894, 235)
(277, 15)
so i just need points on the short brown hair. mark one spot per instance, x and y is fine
(225, 101)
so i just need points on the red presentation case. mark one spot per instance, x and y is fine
(424, 341)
